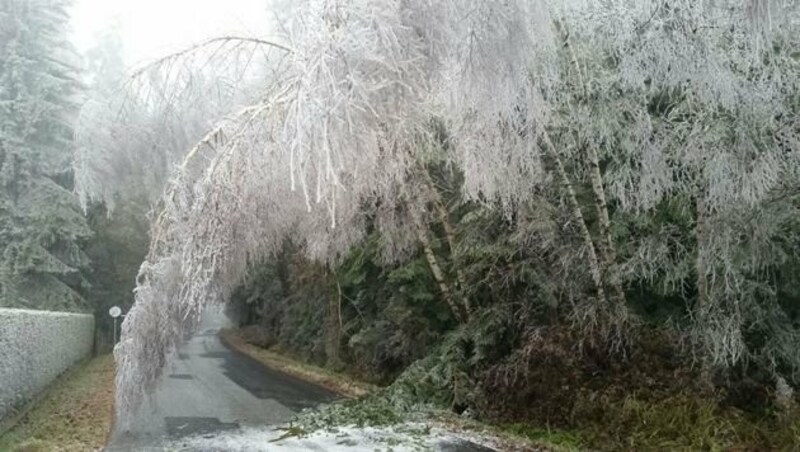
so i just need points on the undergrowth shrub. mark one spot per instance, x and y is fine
(521, 358)
(648, 399)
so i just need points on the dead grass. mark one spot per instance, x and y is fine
(339, 383)
(75, 414)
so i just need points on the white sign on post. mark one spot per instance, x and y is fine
(115, 312)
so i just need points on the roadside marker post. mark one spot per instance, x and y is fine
(115, 312)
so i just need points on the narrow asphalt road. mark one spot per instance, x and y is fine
(211, 388)
(211, 391)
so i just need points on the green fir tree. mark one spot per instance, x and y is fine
(41, 225)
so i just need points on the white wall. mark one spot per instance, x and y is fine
(35, 348)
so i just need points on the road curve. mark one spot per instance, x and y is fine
(210, 389)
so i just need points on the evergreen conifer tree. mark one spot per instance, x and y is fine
(41, 225)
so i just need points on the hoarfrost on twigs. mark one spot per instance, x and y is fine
(683, 97)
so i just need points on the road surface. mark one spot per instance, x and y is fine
(211, 391)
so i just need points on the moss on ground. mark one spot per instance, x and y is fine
(75, 414)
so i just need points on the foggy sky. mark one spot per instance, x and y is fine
(151, 28)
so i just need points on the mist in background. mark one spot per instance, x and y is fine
(151, 28)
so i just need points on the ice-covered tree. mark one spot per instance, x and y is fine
(696, 103)
(41, 227)
(136, 125)
(609, 108)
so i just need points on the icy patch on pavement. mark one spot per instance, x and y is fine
(403, 438)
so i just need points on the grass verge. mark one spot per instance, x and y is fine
(690, 422)
(336, 382)
(74, 415)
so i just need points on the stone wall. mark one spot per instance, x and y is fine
(35, 348)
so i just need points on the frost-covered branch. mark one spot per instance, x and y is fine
(651, 102)
(221, 45)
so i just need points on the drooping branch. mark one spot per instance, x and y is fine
(220, 41)
(363, 79)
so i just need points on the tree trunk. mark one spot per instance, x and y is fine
(607, 249)
(701, 235)
(333, 323)
(449, 232)
(701, 303)
(595, 266)
(438, 275)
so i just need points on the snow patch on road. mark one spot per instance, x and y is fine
(403, 438)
